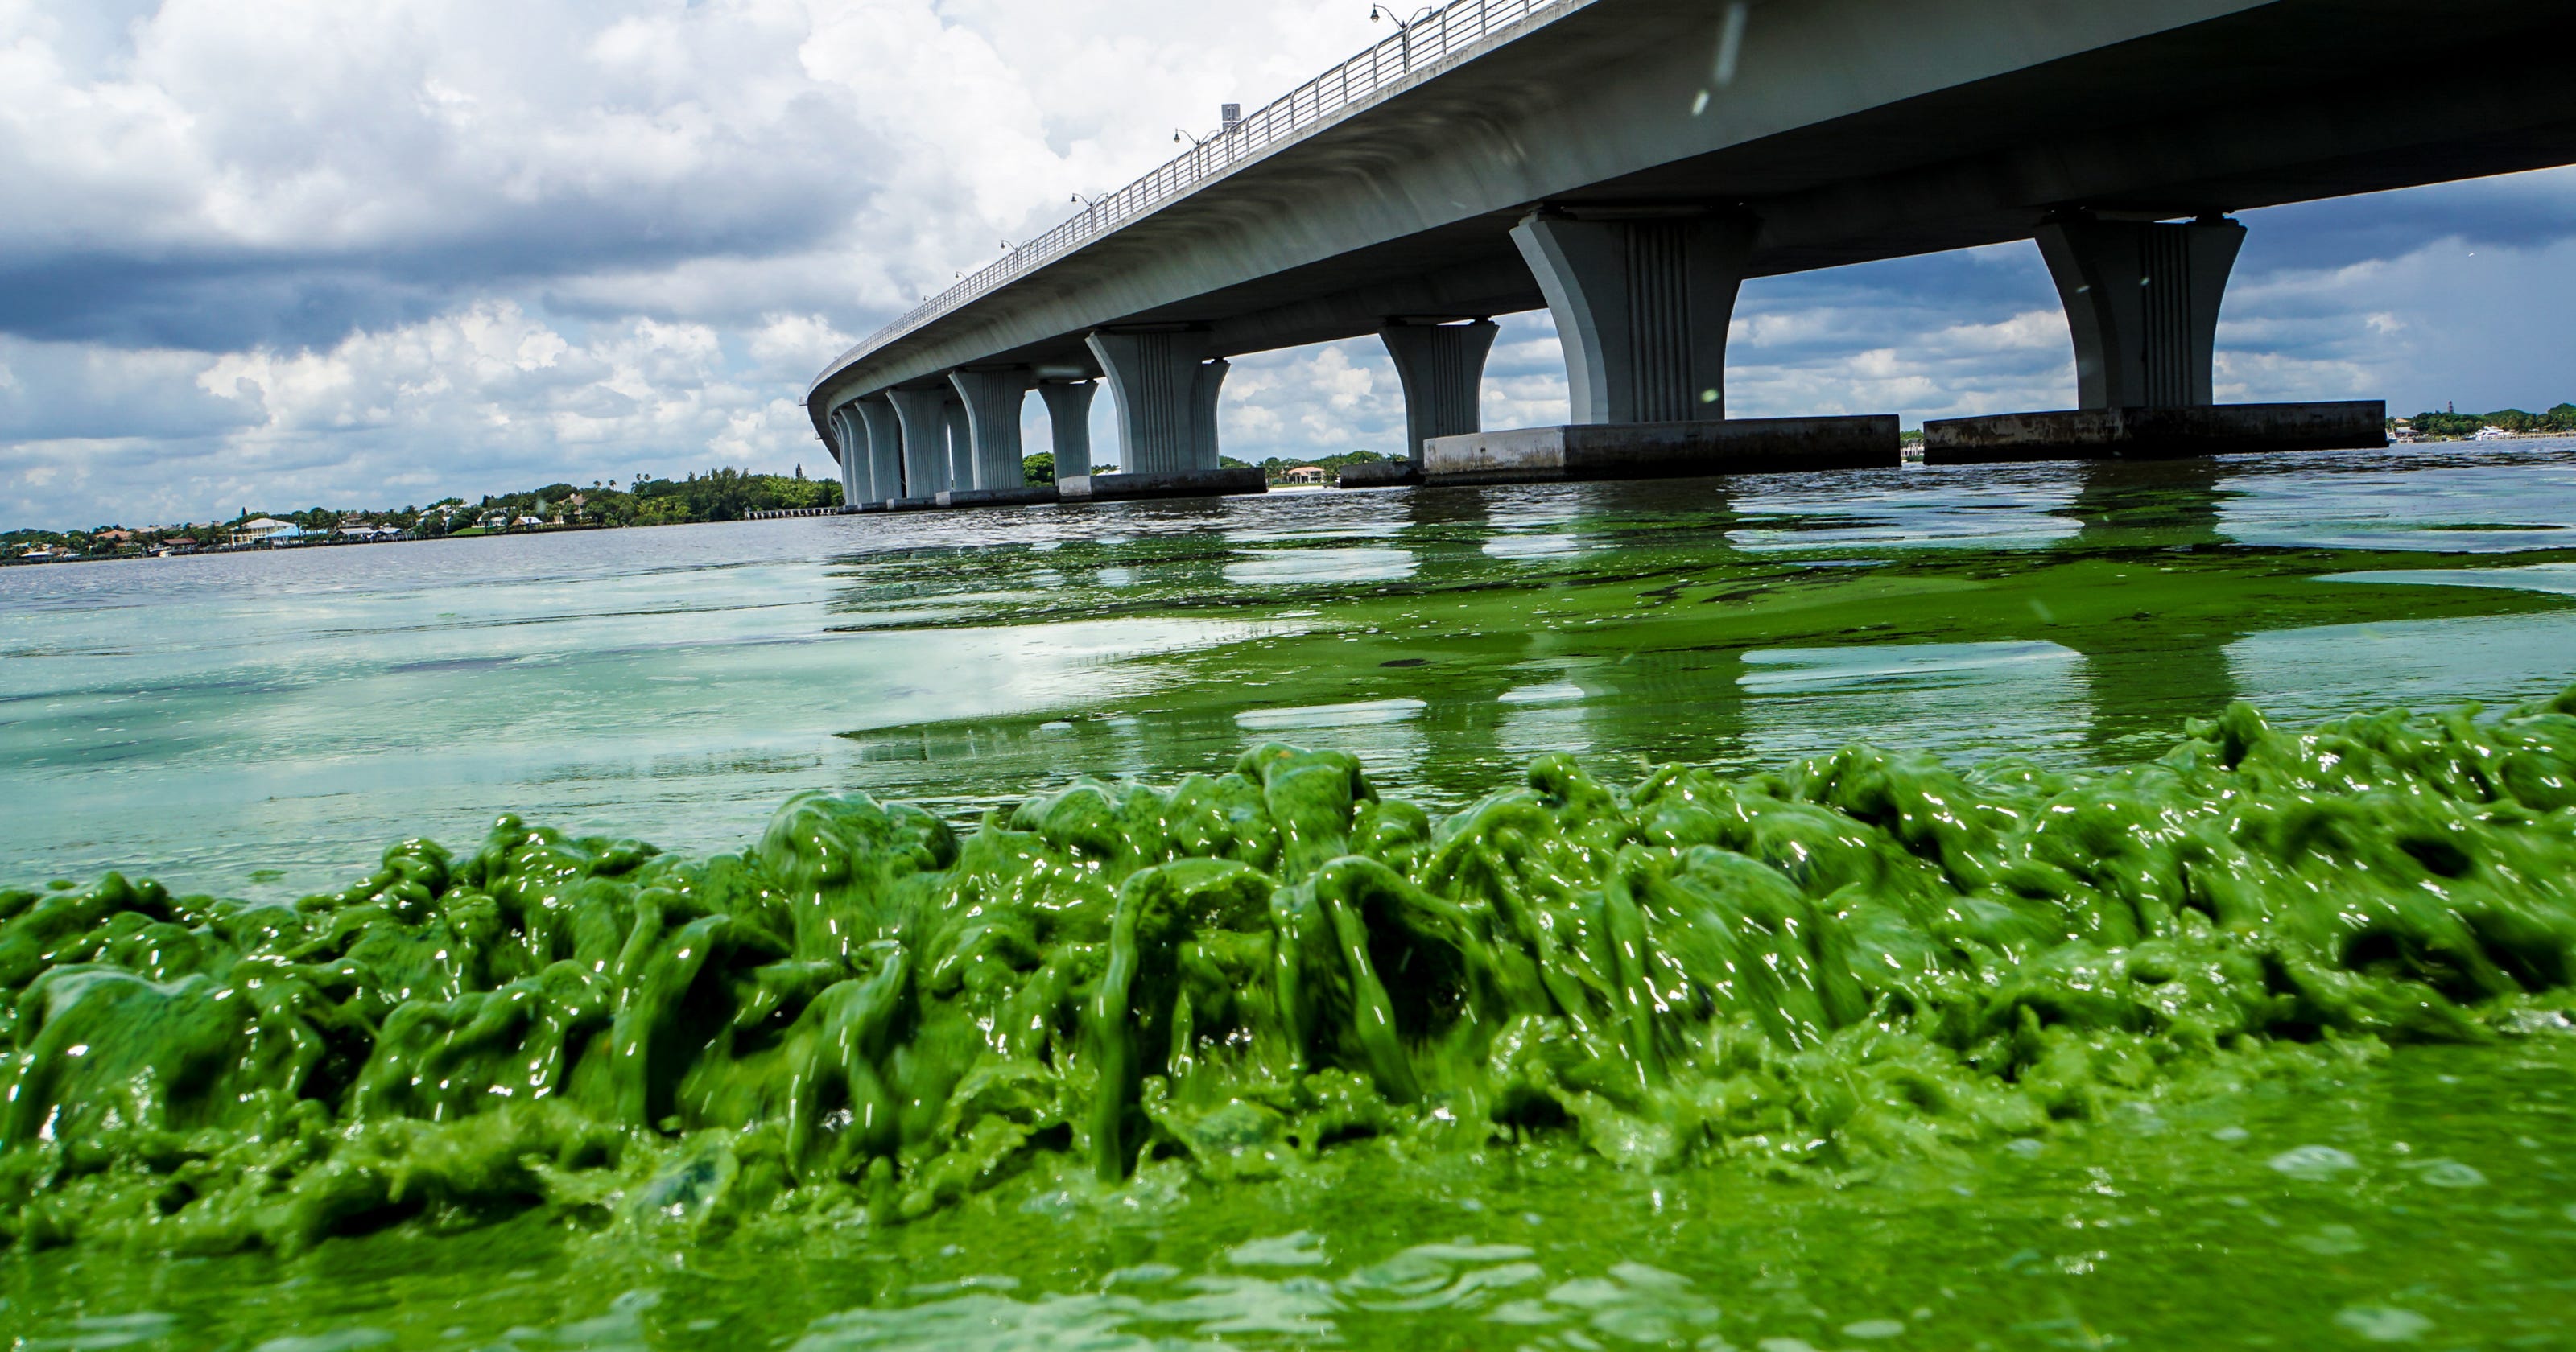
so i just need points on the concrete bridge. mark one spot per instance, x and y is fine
(1626, 164)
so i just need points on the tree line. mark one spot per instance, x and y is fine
(2561, 419)
(720, 494)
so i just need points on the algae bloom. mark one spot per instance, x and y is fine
(867, 1015)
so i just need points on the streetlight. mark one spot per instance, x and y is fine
(1179, 136)
(1403, 26)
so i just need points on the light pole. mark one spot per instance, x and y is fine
(1403, 26)
(1090, 209)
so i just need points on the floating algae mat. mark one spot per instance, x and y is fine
(1277, 1025)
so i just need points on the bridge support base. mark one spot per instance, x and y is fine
(1068, 405)
(921, 414)
(1642, 299)
(1023, 496)
(1204, 483)
(1381, 474)
(2156, 433)
(1166, 388)
(993, 400)
(1442, 368)
(1668, 450)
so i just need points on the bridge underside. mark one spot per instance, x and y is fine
(2280, 103)
(1598, 167)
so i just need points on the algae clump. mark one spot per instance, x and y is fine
(867, 1016)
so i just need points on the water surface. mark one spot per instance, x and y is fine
(263, 724)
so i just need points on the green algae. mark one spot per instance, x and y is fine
(1655, 607)
(1860, 960)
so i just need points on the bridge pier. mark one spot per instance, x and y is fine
(993, 400)
(1442, 369)
(922, 414)
(845, 453)
(1166, 387)
(1068, 405)
(1203, 396)
(2142, 298)
(1641, 301)
(956, 440)
(876, 416)
(1642, 298)
(2142, 301)
(1154, 380)
(863, 476)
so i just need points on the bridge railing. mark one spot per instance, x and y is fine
(1426, 43)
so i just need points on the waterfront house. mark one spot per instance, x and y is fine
(264, 530)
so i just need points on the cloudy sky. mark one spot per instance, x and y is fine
(281, 253)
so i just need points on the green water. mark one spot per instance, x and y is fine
(2075, 617)
(2154, 1231)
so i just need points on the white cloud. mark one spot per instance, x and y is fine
(488, 396)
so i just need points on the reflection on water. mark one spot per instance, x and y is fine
(208, 717)
(2558, 579)
(1261, 567)
(2144, 677)
(1952, 699)
(2002, 507)
(1917, 666)
(1273, 1291)
(2484, 499)
(2309, 674)
(1363, 714)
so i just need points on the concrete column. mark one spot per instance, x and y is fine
(925, 439)
(993, 400)
(2142, 300)
(884, 432)
(1166, 398)
(1641, 303)
(850, 448)
(960, 444)
(1069, 411)
(1211, 380)
(836, 434)
(864, 476)
(1442, 367)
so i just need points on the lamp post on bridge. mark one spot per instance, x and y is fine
(1403, 27)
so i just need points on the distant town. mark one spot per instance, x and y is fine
(715, 495)
(737, 494)
(2453, 425)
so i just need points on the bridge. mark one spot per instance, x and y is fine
(1627, 164)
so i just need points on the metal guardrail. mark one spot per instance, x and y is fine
(1425, 43)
